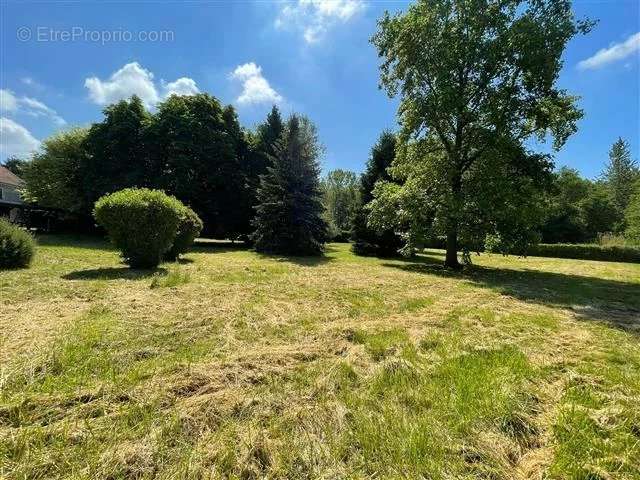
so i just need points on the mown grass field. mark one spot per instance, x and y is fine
(235, 365)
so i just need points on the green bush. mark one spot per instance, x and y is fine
(586, 252)
(141, 223)
(17, 246)
(189, 228)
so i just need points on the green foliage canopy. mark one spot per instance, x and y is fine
(367, 240)
(53, 178)
(632, 215)
(341, 198)
(476, 78)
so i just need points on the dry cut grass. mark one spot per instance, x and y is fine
(233, 365)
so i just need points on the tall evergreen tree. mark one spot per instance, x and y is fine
(262, 144)
(269, 132)
(368, 241)
(289, 212)
(621, 173)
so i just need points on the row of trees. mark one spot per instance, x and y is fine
(192, 147)
(579, 209)
(477, 81)
(261, 186)
(572, 209)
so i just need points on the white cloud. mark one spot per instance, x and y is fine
(8, 101)
(182, 86)
(130, 80)
(38, 109)
(27, 105)
(30, 82)
(615, 52)
(15, 139)
(255, 88)
(315, 17)
(133, 79)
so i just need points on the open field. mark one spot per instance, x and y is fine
(230, 364)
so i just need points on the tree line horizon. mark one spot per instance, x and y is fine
(476, 81)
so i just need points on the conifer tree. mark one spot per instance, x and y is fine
(621, 173)
(262, 149)
(289, 212)
(368, 241)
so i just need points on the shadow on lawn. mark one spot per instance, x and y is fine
(224, 246)
(218, 246)
(113, 273)
(595, 299)
(95, 242)
(304, 261)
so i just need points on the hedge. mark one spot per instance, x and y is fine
(586, 252)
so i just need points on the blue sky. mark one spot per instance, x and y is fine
(62, 61)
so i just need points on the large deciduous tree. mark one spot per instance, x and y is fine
(117, 154)
(476, 79)
(289, 213)
(197, 151)
(53, 178)
(341, 199)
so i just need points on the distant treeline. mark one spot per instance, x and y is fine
(194, 148)
(577, 210)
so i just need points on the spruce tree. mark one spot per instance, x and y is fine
(269, 132)
(620, 174)
(289, 212)
(367, 241)
(262, 149)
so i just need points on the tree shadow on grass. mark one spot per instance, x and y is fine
(204, 245)
(114, 273)
(224, 246)
(614, 302)
(307, 261)
(94, 242)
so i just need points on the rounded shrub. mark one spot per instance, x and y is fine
(17, 247)
(189, 228)
(141, 223)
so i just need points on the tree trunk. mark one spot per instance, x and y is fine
(451, 259)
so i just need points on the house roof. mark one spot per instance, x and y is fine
(9, 178)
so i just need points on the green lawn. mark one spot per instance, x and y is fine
(235, 365)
